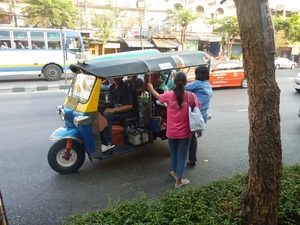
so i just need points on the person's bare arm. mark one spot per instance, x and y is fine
(153, 92)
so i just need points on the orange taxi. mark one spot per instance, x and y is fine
(224, 74)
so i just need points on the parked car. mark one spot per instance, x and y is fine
(224, 74)
(297, 82)
(281, 63)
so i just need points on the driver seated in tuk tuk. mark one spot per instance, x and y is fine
(121, 109)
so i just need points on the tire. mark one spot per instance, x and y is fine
(298, 90)
(61, 165)
(52, 72)
(293, 66)
(244, 83)
(277, 67)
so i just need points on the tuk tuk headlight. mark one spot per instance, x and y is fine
(83, 121)
(61, 112)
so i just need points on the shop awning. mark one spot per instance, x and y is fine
(192, 38)
(136, 43)
(166, 43)
(112, 45)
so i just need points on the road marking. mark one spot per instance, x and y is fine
(242, 110)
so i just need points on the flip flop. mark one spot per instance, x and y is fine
(172, 173)
(184, 182)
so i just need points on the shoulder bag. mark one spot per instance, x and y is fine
(195, 117)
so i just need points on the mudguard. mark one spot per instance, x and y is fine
(84, 135)
(65, 132)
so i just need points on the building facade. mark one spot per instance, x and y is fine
(148, 19)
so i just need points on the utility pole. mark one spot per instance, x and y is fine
(64, 45)
(13, 10)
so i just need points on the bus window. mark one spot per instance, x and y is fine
(38, 39)
(53, 39)
(5, 39)
(21, 36)
(58, 45)
(73, 44)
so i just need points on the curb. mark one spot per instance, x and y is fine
(33, 88)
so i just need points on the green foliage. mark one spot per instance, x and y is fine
(183, 18)
(228, 27)
(228, 24)
(289, 207)
(216, 203)
(234, 57)
(51, 13)
(105, 21)
(290, 26)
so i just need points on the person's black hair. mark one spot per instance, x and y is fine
(179, 81)
(202, 73)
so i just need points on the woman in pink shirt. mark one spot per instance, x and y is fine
(178, 129)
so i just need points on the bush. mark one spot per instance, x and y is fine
(235, 57)
(216, 203)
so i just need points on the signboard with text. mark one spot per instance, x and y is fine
(268, 27)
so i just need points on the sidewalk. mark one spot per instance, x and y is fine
(32, 88)
(33, 85)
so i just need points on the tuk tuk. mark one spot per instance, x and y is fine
(80, 135)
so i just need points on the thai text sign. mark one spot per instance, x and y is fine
(268, 27)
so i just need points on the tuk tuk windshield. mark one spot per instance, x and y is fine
(82, 86)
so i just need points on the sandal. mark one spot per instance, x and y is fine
(184, 182)
(173, 174)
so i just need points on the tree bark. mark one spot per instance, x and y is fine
(183, 36)
(261, 195)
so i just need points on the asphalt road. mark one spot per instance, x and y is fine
(34, 194)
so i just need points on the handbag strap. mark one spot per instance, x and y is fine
(189, 98)
(194, 100)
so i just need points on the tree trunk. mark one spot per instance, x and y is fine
(183, 37)
(103, 48)
(141, 40)
(261, 195)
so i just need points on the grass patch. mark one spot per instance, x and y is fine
(216, 203)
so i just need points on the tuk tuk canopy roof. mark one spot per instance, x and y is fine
(143, 64)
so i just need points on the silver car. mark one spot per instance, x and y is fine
(281, 63)
(297, 82)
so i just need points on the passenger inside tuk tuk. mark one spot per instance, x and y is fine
(121, 109)
(157, 80)
(135, 82)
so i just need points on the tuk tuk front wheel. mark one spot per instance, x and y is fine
(59, 163)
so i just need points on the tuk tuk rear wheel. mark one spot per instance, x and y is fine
(61, 165)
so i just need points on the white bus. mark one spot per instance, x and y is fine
(38, 51)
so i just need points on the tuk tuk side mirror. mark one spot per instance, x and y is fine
(83, 120)
(82, 57)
